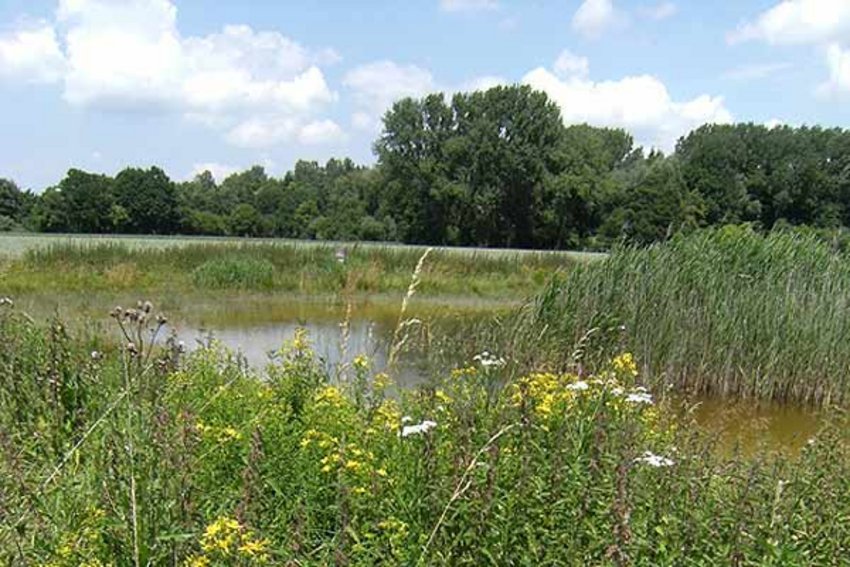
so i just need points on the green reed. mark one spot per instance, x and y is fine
(724, 311)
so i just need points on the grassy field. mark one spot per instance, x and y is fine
(163, 266)
(17, 244)
(114, 453)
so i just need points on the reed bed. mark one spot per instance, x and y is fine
(723, 311)
(131, 452)
(309, 269)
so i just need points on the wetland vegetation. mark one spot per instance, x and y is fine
(551, 432)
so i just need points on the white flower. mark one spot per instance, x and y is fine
(95, 355)
(654, 460)
(639, 397)
(580, 385)
(423, 427)
(617, 391)
(488, 360)
(406, 419)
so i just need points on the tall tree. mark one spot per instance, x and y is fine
(150, 200)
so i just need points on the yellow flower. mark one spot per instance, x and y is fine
(253, 547)
(198, 561)
(382, 472)
(360, 363)
(353, 465)
(625, 365)
(442, 397)
(330, 396)
(382, 381)
(301, 340)
(387, 415)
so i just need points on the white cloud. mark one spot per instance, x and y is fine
(757, 71)
(220, 171)
(376, 86)
(640, 104)
(483, 83)
(797, 22)
(31, 53)
(594, 17)
(320, 132)
(838, 61)
(468, 5)
(129, 54)
(569, 64)
(660, 11)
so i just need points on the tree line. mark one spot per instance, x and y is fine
(491, 168)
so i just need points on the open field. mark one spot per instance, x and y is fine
(17, 244)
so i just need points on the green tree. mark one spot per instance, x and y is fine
(87, 199)
(150, 200)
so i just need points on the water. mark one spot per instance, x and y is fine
(259, 325)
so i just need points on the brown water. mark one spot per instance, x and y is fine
(258, 325)
(750, 425)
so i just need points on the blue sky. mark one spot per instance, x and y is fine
(192, 84)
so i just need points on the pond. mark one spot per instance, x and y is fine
(258, 325)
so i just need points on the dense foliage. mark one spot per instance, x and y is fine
(495, 168)
(123, 455)
(723, 311)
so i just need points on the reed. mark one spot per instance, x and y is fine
(723, 311)
(309, 269)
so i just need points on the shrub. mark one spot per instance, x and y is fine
(235, 272)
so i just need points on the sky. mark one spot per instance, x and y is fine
(190, 85)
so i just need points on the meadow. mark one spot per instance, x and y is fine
(163, 266)
(559, 432)
(120, 453)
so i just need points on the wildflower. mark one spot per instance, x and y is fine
(220, 536)
(487, 360)
(639, 395)
(577, 386)
(360, 363)
(382, 381)
(625, 364)
(95, 355)
(442, 396)
(382, 472)
(423, 427)
(353, 465)
(301, 340)
(654, 460)
(406, 419)
(387, 415)
(198, 561)
(253, 547)
(6, 301)
(330, 396)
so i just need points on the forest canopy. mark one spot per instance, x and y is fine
(495, 168)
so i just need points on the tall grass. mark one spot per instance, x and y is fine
(115, 454)
(297, 268)
(724, 311)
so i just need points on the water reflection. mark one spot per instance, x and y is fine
(259, 325)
